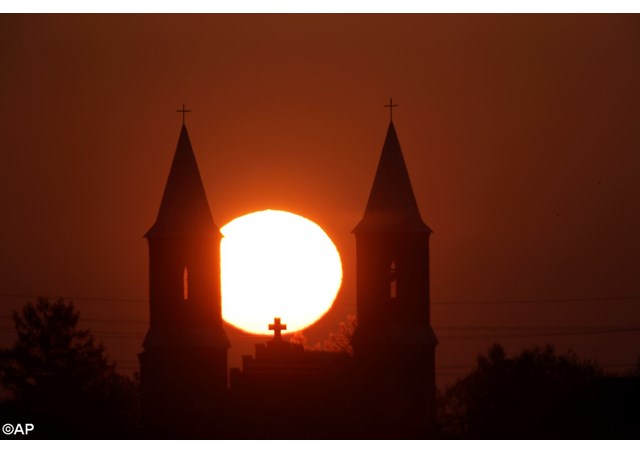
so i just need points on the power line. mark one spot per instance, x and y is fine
(530, 328)
(463, 337)
(538, 301)
(473, 328)
(445, 303)
(99, 321)
(74, 298)
(533, 335)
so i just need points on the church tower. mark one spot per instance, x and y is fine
(183, 367)
(394, 344)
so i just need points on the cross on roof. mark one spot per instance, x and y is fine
(391, 105)
(277, 328)
(183, 111)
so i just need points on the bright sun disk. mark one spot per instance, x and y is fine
(277, 264)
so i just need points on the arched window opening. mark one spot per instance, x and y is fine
(393, 282)
(185, 284)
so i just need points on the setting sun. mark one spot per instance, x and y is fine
(277, 264)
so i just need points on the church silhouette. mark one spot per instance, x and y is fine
(386, 390)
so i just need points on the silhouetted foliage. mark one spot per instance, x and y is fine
(59, 379)
(537, 394)
(340, 341)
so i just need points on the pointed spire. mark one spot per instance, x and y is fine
(184, 210)
(392, 206)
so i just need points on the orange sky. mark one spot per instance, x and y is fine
(521, 134)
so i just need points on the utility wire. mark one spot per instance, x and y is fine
(533, 335)
(479, 336)
(145, 322)
(446, 303)
(73, 298)
(539, 301)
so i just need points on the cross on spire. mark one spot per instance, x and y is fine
(183, 111)
(277, 328)
(391, 105)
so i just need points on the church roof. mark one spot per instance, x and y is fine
(392, 205)
(184, 210)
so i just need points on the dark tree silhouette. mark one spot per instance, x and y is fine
(535, 394)
(57, 377)
(339, 341)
